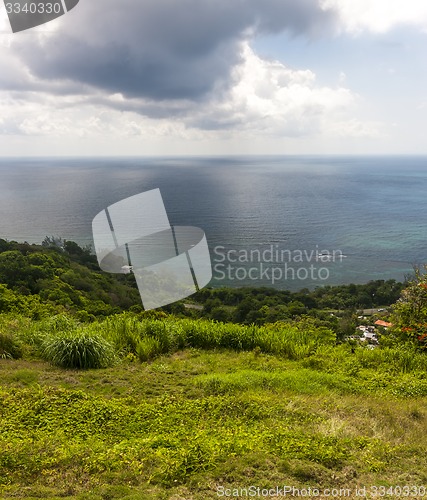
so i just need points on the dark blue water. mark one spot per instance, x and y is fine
(373, 210)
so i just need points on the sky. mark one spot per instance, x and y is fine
(217, 77)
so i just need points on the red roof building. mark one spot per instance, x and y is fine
(385, 324)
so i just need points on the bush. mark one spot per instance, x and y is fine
(78, 350)
(10, 348)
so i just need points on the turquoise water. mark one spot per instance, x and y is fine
(373, 210)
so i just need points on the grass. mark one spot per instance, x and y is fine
(9, 346)
(80, 350)
(188, 423)
(191, 407)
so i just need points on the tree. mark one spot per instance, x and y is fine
(53, 242)
(220, 314)
(410, 311)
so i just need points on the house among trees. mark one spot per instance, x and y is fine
(382, 323)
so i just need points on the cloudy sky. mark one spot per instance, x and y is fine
(194, 77)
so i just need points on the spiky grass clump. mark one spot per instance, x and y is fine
(10, 348)
(78, 350)
(148, 348)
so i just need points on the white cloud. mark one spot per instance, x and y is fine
(270, 98)
(353, 128)
(267, 98)
(378, 16)
(51, 88)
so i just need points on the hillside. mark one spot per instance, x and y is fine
(100, 400)
(59, 276)
(187, 407)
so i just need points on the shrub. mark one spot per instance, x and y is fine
(10, 348)
(78, 350)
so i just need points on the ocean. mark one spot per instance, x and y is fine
(288, 222)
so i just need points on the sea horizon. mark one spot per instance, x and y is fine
(370, 208)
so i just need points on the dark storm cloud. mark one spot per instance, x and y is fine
(162, 49)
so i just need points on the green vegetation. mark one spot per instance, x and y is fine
(41, 281)
(211, 404)
(267, 305)
(99, 400)
(82, 350)
(9, 347)
(57, 276)
(410, 312)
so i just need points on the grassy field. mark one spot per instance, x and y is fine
(194, 409)
(189, 424)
